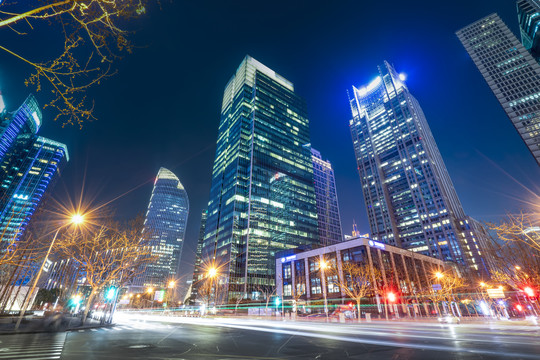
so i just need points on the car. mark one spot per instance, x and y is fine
(449, 319)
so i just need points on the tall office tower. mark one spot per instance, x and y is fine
(35, 165)
(165, 226)
(199, 268)
(26, 120)
(410, 199)
(529, 21)
(327, 200)
(510, 71)
(29, 164)
(262, 198)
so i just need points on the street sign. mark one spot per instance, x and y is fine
(436, 287)
(496, 293)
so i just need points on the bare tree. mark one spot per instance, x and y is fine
(443, 288)
(358, 281)
(107, 255)
(523, 228)
(94, 37)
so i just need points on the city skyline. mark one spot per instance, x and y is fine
(472, 149)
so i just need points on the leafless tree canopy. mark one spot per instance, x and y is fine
(94, 36)
(107, 254)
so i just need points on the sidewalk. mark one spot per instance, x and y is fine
(40, 325)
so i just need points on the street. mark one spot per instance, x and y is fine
(194, 338)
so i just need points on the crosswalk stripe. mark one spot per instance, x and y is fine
(30, 356)
(33, 347)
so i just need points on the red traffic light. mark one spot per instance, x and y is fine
(350, 304)
(519, 307)
(391, 297)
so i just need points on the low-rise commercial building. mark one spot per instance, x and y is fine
(407, 274)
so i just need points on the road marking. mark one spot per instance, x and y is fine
(33, 347)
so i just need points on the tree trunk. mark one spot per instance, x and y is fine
(87, 306)
(358, 306)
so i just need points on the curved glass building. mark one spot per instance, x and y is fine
(165, 225)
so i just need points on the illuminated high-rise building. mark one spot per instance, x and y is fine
(199, 268)
(327, 200)
(29, 164)
(410, 199)
(165, 226)
(510, 71)
(529, 22)
(262, 198)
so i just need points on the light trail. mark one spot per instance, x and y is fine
(346, 333)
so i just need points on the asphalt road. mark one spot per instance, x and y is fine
(252, 339)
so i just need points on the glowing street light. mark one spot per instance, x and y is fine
(172, 284)
(483, 284)
(212, 272)
(73, 219)
(150, 290)
(77, 219)
(438, 275)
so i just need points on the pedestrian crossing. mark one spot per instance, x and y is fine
(131, 326)
(32, 346)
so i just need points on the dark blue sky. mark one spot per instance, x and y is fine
(162, 109)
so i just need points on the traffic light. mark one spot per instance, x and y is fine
(391, 297)
(351, 305)
(519, 307)
(110, 293)
(277, 301)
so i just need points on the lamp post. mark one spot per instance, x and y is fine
(150, 291)
(76, 219)
(212, 273)
(324, 265)
(170, 286)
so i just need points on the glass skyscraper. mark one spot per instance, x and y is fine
(29, 164)
(327, 200)
(510, 71)
(529, 22)
(165, 226)
(198, 274)
(262, 198)
(410, 199)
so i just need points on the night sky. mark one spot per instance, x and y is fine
(163, 107)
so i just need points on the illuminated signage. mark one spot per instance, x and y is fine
(376, 244)
(288, 258)
(159, 295)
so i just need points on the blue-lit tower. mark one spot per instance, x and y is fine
(165, 225)
(409, 196)
(29, 164)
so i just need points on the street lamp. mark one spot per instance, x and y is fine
(438, 275)
(74, 219)
(212, 273)
(324, 265)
